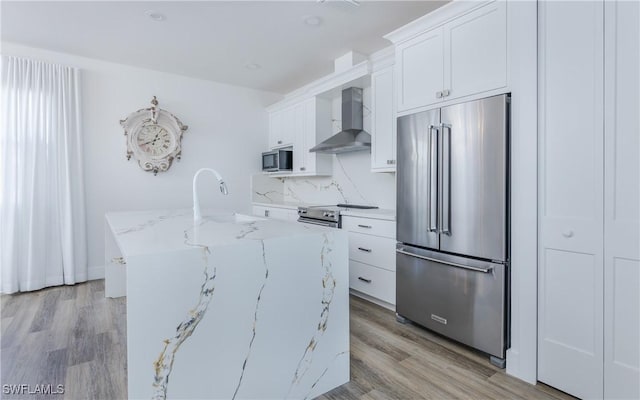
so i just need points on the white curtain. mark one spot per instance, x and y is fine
(42, 214)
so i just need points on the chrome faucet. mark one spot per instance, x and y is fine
(196, 203)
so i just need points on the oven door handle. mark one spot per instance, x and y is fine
(326, 224)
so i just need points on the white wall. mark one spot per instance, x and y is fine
(227, 132)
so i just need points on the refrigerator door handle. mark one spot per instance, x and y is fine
(452, 264)
(445, 187)
(432, 214)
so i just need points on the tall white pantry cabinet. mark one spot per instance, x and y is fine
(589, 198)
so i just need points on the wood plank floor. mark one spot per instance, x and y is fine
(73, 335)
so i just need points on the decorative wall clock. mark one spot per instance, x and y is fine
(154, 137)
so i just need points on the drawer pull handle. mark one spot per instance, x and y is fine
(568, 234)
(364, 279)
(363, 249)
(365, 226)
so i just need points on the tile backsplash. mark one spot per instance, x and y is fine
(352, 182)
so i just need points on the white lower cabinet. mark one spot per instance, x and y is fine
(373, 281)
(372, 257)
(373, 250)
(370, 226)
(589, 192)
(286, 214)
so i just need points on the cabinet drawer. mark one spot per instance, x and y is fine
(375, 282)
(370, 226)
(374, 250)
(275, 213)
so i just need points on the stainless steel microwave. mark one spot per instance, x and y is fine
(277, 160)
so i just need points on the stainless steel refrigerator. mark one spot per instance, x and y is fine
(453, 222)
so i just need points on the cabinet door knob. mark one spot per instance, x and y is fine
(279, 141)
(567, 233)
(266, 213)
(364, 279)
(438, 95)
(445, 93)
(302, 168)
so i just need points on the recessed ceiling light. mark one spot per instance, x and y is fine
(252, 66)
(312, 20)
(155, 16)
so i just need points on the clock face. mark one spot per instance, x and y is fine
(155, 141)
(154, 138)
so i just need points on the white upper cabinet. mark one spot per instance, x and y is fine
(476, 52)
(275, 129)
(420, 64)
(304, 124)
(383, 122)
(300, 140)
(281, 128)
(465, 56)
(316, 127)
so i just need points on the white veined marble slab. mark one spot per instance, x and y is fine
(234, 308)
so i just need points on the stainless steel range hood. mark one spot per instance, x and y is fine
(352, 137)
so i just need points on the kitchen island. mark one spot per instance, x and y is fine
(231, 307)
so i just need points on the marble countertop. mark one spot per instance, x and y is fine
(159, 231)
(378, 213)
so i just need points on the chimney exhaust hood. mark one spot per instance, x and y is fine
(352, 137)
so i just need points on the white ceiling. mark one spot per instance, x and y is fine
(213, 40)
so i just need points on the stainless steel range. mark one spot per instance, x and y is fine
(326, 215)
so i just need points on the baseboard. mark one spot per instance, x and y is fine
(96, 272)
(379, 302)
